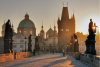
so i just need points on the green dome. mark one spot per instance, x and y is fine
(26, 23)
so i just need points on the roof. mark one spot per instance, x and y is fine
(26, 23)
(50, 31)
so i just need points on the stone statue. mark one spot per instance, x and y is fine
(90, 42)
(29, 44)
(8, 37)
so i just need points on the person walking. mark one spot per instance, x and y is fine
(63, 52)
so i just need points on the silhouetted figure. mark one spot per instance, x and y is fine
(90, 42)
(37, 48)
(34, 52)
(8, 37)
(29, 44)
(76, 45)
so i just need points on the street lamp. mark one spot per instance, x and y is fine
(25, 43)
(75, 40)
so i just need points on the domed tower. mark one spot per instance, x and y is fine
(3, 29)
(26, 26)
(42, 33)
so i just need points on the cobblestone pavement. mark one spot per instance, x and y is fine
(45, 60)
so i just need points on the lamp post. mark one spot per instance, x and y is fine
(25, 43)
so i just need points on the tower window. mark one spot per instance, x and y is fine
(24, 31)
(19, 31)
(61, 29)
(67, 29)
(31, 32)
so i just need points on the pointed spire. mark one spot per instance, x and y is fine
(12, 24)
(67, 4)
(73, 14)
(63, 4)
(54, 24)
(42, 24)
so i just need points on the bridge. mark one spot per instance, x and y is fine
(45, 60)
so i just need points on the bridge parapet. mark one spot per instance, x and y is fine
(91, 60)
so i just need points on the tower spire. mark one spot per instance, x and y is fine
(42, 25)
(67, 4)
(63, 4)
(73, 14)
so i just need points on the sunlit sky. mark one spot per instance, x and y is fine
(48, 10)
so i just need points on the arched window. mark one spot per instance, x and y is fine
(19, 31)
(31, 32)
(24, 31)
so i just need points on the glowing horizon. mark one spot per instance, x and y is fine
(48, 12)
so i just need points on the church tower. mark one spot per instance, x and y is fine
(66, 28)
(42, 33)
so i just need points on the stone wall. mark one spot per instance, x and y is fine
(20, 55)
(6, 57)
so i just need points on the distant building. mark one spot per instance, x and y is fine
(25, 28)
(66, 28)
(81, 41)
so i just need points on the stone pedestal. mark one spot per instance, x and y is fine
(90, 47)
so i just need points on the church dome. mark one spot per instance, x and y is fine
(26, 23)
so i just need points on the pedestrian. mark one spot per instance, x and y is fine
(63, 52)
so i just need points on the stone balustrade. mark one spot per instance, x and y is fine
(6, 57)
(91, 60)
(22, 55)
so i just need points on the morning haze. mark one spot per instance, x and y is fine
(48, 12)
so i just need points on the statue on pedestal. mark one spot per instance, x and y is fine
(90, 42)
(8, 38)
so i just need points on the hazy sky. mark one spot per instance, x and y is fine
(48, 10)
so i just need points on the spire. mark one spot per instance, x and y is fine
(42, 25)
(67, 4)
(54, 26)
(50, 25)
(73, 14)
(65, 14)
(63, 4)
(12, 24)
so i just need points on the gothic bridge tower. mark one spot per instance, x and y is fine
(66, 28)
